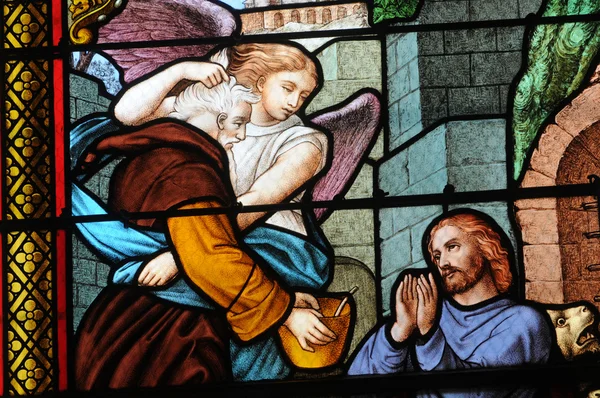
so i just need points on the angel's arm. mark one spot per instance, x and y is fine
(149, 99)
(290, 171)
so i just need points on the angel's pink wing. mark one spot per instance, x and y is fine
(150, 20)
(354, 128)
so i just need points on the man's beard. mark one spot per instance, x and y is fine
(463, 280)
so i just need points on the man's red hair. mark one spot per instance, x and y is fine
(488, 242)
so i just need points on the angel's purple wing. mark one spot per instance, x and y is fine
(354, 128)
(150, 20)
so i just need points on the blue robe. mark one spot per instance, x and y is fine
(301, 262)
(496, 333)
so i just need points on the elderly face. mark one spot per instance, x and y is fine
(232, 126)
(457, 258)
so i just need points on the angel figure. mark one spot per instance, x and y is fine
(278, 159)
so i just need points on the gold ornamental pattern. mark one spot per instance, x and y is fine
(25, 24)
(29, 262)
(83, 13)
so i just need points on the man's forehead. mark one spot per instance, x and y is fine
(445, 234)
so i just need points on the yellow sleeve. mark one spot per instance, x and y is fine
(211, 258)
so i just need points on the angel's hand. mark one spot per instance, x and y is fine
(209, 73)
(159, 271)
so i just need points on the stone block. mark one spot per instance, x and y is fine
(399, 84)
(410, 110)
(435, 183)
(416, 238)
(386, 291)
(394, 121)
(84, 108)
(350, 227)
(550, 150)
(72, 108)
(363, 253)
(404, 217)
(538, 226)
(83, 89)
(329, 62)
(390, 56)
(369, 54)
(362, 187)
(395, 253)
(545, 292)
(102, 273)
(407, 135)
(527, 7)
(488, 10)
(434, 103)
(393, 174)
(84, 271)
(478, 177)
(87, 294)
(494, 68)
(473, 101)
(447, 11)
(537, 204)
(431, 43)
(378, 149)
(78, 313)
(476, 142)
(535, 179)
(406, 48)
(469, 41)
(542, 263)
(511, 38)
(386, 223)
(444, 71)
(104, 102)
(582, 112)
(504, 98)
(413, 75)
(427, 155)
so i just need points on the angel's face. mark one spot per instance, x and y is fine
(283, 93)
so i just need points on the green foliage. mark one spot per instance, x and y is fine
(391, 9)
(559, 58)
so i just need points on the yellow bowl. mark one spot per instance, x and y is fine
(324, 355)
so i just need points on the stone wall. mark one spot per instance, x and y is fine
(404, 95)
(470, 155)
(342, 78)
(89, 273)
(466, 72)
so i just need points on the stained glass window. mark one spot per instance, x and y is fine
(333, 198)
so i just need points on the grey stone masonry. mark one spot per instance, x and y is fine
(89, 273)
(470, 155)
(403, 83)
(467, 72)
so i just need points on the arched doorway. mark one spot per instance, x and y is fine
(579, 247)
(311, 17)
(341, 12)
(552, 229)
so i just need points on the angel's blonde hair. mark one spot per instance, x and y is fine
(249, 62)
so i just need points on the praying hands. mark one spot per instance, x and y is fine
(416, 307)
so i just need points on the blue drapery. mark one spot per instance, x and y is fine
(300, 262)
